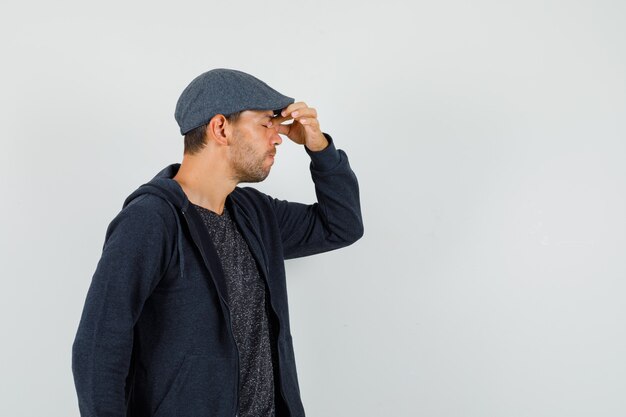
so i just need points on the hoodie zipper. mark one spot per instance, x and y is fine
(279, 373)
(266, 279)
(230, 322)
(230, 325)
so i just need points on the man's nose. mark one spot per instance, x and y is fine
(276, 138)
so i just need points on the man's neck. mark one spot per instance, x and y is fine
(206, 181)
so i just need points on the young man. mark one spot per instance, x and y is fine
(187, 313)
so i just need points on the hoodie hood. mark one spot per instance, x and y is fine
(163, 186)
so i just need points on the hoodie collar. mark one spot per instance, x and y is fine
(164, 186)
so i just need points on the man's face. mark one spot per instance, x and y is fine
(253, 146)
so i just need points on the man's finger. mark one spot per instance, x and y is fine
(293, 107)
(278, 120)
(297, 114)
(304, 112)
(283, 129)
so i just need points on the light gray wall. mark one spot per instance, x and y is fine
(489, 142)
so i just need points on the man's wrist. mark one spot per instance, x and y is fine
(319, 145)
(324, 159)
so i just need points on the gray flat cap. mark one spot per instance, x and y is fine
(224, 91)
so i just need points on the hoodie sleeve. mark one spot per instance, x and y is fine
(334, 221)
(135, 255)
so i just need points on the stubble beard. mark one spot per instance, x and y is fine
(247, 166)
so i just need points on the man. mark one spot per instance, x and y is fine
(187, 312)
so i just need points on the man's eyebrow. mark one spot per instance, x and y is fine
(266, 114)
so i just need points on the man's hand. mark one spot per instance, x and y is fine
(305, 129)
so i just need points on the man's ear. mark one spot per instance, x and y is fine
(219, 129)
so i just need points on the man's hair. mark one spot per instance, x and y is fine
(195, 139)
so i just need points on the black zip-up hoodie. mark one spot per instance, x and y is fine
(155, 336)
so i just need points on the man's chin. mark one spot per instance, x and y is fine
(253, 179)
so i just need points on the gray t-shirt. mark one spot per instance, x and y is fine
(247, 300)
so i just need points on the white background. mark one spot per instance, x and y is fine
(488, 138)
